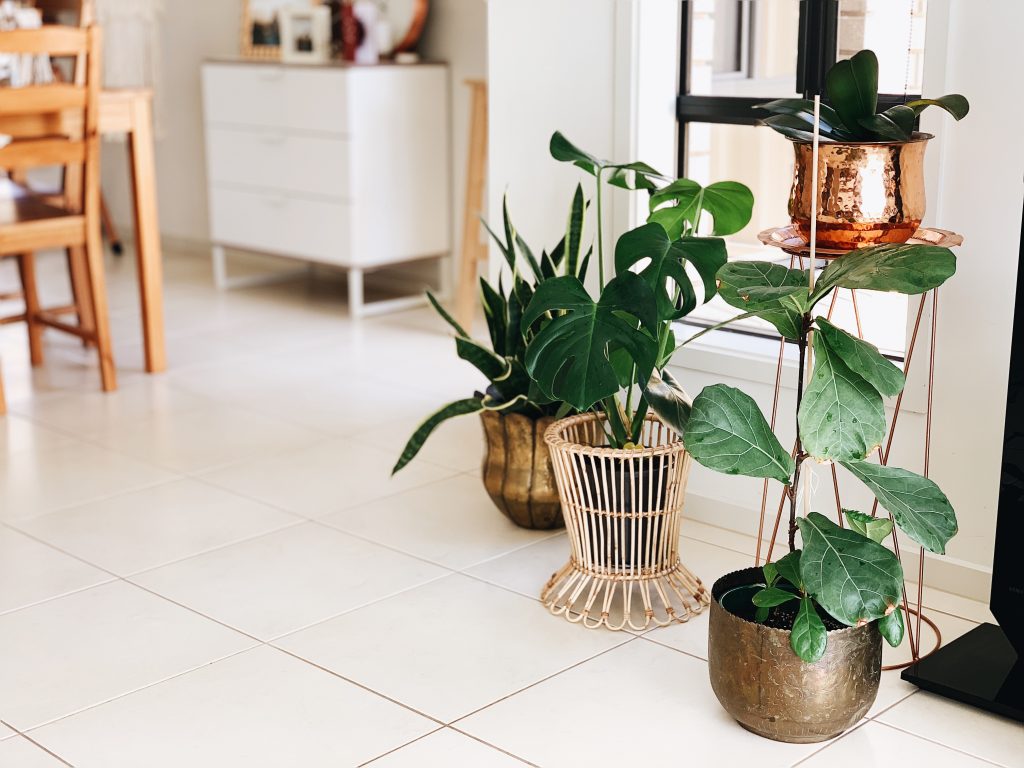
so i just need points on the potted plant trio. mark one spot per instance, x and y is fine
(871, 163)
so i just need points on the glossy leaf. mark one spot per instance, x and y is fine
(796, 128)
(771, 574)
(445, 316)
(728, 433)
(852, 577)
(863, 358)
(916, 503)
(908, 269)
(789, 568)
(496, 315)
(809, 638)
(565, 151)
(760, 615)
(769, 597)
(737, 278)
(894, 124)
(669, 400)
(569, 357)
(841, 416)
(729, 203)
(891, 627)
(574, 233)
(953, 103)
(852, 87)
(489, 364)
(875, 528)
(634, 176)
(803, 110)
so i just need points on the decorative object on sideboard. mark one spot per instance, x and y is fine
(870, 174)
(367, 15)
(261, 26)
(305, 34)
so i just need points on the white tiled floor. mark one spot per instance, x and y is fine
(212, 567)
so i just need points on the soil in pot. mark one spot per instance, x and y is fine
(738, 601)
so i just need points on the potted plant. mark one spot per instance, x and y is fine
(517, 470)
(795, 647)
(620, 464)
(871, 164)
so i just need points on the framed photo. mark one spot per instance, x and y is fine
(261, 26)
(305, 34)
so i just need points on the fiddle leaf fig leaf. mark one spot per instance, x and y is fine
(761, 615)
(863, 359)
(953, 103)
(809, 636)
(852, 577)
(875, 528)
(570, 356)
(841, 416)
(728, 433)
(771, 574)
(908, 269)
(789, 568)
(729, 203)
(769, 597)
(916, 503)
(668, 399)
(735, 281)
(852, 87)
(891, 627)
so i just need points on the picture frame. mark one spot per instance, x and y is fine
(305, 34)
(260, 33)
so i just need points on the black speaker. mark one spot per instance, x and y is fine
(985, 667)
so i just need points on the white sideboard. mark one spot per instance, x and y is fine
(331, 164)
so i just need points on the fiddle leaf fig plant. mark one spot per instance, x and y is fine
(610, 352)
(851, 114)
(845, 573)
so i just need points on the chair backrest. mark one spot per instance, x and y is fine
(54, 123)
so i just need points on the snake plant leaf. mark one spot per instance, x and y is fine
(852, 88)
(737, 278)
(515, 340)
(891, 627)
(875, 528)
(445, 316)
(809, 637)
(669, 400)
(789, 568)
(953, 103)
(419, 437)
(769, 597)
(852, 577)
(916, 503)
(728, 433)
(496, 315)
(574, 232)
(489, 364)
(908, 269)
(841, 416)
(894, 124)
(569, 356)
(536, 266)
(729, 203)
(863, 358)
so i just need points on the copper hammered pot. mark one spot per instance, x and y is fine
(517, 470)
(771, 691)
(869, 193)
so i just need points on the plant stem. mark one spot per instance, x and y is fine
(794, 488)
(600, 232)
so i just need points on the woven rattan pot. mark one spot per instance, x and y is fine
(517, 469)
(771, 691)
(622, 511)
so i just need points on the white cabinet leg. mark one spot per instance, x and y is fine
(220, 268)
(355, 292)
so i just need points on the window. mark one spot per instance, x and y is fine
(738, 53)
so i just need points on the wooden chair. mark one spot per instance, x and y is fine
(56, 125)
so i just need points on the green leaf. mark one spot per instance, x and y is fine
(668, 399)
(852, 577)
(729, 203)
(796, 128)
(445, 316)
(728, 433)
(916, 503)
(569, 357)
(419, 437)
(891, 627)
(769, 597)
(908, 269)
(875, 528)
(771, 574)
(707, 255)
(489, 364)
(852, 87)
(565, 151)
(535, 266)
(809, 637)
(953, 103)
(828, 119)
(634, 176)
(761, 615)
(789, 568)
(841, 417)
(863, 358)
(737, 278)
(506, 248)
(895, 124)
(574, 232)
(496, 315)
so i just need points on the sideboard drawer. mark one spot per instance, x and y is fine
(274, 96)
(274, 159)
(277, 223)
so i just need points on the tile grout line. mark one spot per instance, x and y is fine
(493, 746)
(937, 743)
(400, 746)
(44, 748)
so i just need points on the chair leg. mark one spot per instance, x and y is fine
(27, 272)
(79, 273)
(98, 293)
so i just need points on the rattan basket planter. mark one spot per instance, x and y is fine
(622, 511)
(517, 469)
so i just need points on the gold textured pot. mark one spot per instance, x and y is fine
(868, 193)
(517, 470)
(769, 690)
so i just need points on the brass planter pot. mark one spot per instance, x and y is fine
(868, 193)
(517, 470)
(762, 683)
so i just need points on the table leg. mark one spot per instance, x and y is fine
(147, 234)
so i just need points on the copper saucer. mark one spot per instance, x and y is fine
(790, 240)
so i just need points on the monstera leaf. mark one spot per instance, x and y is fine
(852, 577)
(729, 203)
(841, 416)
(626, 175)
(569, 357)
(916, 503)
(863, 359)
(669, 400)
(728, 433)
(738, 279)
(666, 266)
(904, 268)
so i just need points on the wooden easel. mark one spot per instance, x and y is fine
(473, 250)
